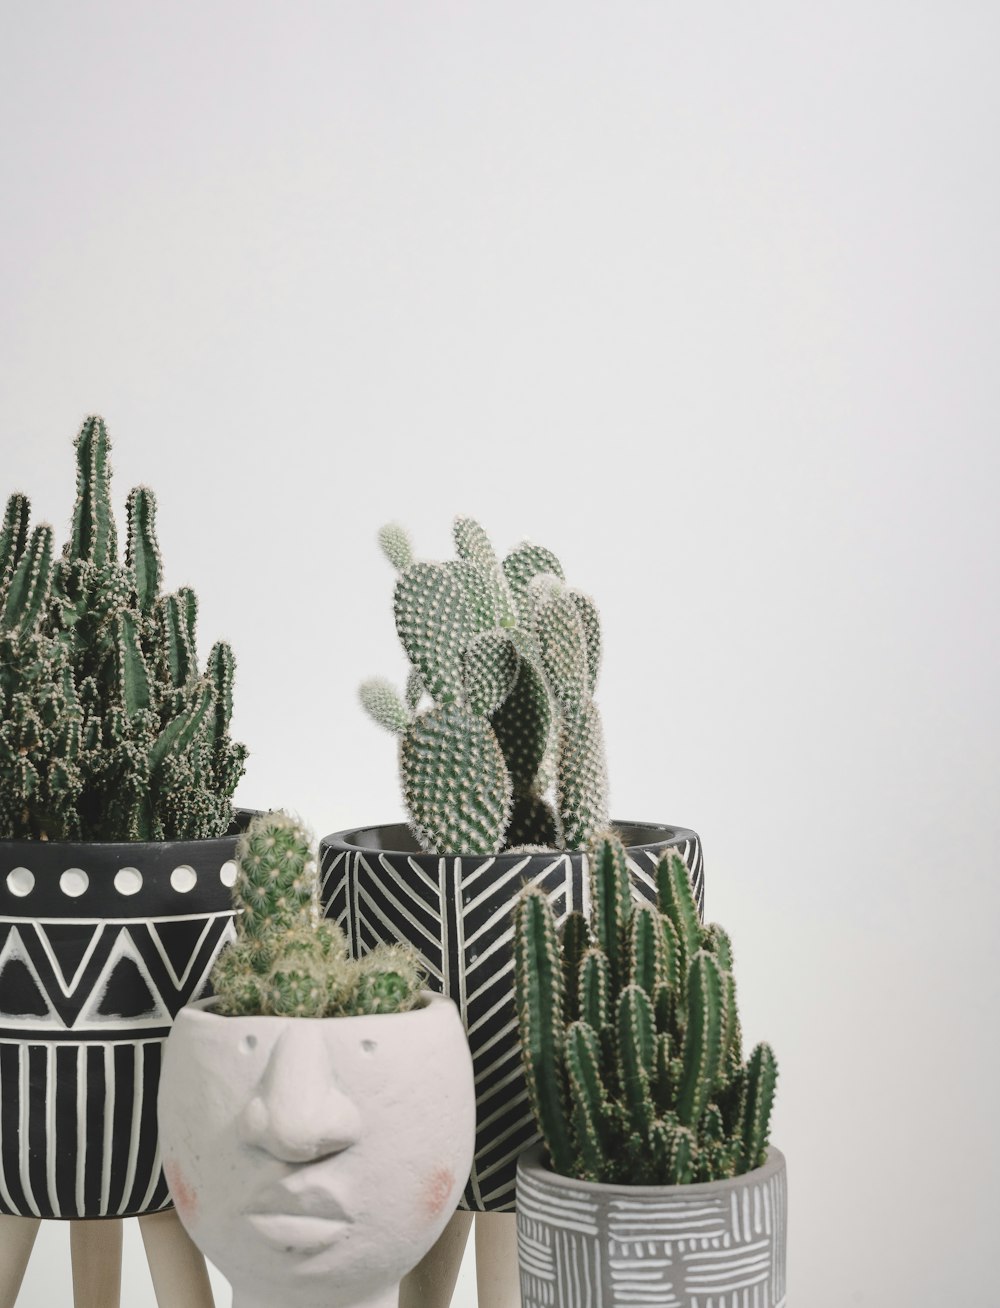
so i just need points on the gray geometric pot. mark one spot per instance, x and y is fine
(715, 1245)
(101, 944)
(457, 912)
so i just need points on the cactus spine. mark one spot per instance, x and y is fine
(630, 1037)
(509, 750)
(285, 961)
(109, 730)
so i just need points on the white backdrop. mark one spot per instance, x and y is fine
(705, 298)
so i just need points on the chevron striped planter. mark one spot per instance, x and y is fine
(100, 947)
(457, 913)
(717, 1245)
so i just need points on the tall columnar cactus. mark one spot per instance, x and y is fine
(109, 730)
(500, 740)
(285, 961)
(630, 1035)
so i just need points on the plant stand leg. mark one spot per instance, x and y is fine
(180, 1277)
(96, 1252)
(17, 1238)
(497, 1279)
(432, 1282)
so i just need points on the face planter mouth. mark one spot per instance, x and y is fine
(294, 1233)
(297, 1218)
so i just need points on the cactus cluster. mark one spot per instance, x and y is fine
(286, 961)
(501, 742)
(630, 1035)
(108, 729)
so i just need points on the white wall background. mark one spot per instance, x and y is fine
(704, 297)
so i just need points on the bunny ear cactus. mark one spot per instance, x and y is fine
(286, 961)
(630, 1036)
(110, 731)
(509, 751)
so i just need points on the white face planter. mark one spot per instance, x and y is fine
(315, 1161)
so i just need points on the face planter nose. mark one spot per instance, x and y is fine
(298, 1112)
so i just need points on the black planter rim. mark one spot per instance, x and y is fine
(80, 878)
(533, 1161)
(110, 848)
(635, 835)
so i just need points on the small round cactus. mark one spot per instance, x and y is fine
(387, 979)
(286, 961)
(276, 885)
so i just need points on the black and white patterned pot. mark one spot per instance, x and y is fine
(715, 1245)
(458, 914)
(100, 946)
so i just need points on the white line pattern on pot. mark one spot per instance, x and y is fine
(457, 913)
(684, 1251)
(85, 1003)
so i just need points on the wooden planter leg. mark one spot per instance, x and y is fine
(432, 1282)
(17, 1237)
(180, 1277)
(497, 1279)
(96, 1251)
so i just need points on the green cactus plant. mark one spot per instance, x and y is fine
(109, 730)
(286, 961)
(630, 1036)
(500, 740)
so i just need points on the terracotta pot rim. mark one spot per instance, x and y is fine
(532, 1163)
(650, 834)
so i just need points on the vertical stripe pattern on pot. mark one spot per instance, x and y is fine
(90, 982)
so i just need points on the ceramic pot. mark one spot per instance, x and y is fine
(715, 1245)
(316, 1160)
(458, 914)
(100, 946)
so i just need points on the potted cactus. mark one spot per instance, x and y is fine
(317, 1114)
(504, 778)
(117, 835)
(655, 1174)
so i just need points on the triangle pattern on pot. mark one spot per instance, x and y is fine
(180, 953)
(179, 943)
(124, 982)
(24, 1000)
(63, 945)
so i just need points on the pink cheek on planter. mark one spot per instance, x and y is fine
(184, 1196)
(437, 1191)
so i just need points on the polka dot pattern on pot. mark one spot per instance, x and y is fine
(74, 882)
(183, 878)
(128, 880)
(20, 881)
